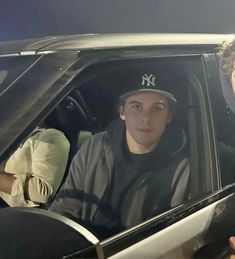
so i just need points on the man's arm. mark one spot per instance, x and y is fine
(68, 201)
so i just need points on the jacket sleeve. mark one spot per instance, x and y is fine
(180, 183)
(49, 155)
(68, 201)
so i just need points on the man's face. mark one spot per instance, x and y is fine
(146, 116)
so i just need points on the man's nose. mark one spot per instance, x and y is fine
(146, 115)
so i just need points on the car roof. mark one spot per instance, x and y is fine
(103, 41)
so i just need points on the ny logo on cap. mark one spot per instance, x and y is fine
(148, 80)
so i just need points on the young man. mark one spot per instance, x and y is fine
(228, 59)
(133, 171)
(227, 76)
(228, 86)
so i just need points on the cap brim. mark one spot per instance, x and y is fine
(168, 95)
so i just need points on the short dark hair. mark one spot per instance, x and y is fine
(227, 50)
(123, 101)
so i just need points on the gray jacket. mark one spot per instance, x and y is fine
(90, 176)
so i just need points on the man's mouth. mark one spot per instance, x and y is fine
(145, 130)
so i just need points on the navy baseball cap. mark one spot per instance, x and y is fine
(159, 81)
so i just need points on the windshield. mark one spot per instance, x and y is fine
(27, 85)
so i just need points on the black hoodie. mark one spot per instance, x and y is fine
(108, 189)
(142, 185)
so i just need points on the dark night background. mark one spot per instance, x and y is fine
(34, 18)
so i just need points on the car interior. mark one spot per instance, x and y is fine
(92, 104)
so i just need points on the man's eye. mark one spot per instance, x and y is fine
(159, 108)
(136, 107)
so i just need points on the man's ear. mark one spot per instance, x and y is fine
(121, 112)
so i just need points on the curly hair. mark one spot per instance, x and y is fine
(227, 50)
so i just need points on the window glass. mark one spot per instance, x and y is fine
(28, 84)
(203, 168)
(103, 83)
(12, 67)
(223, 104)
